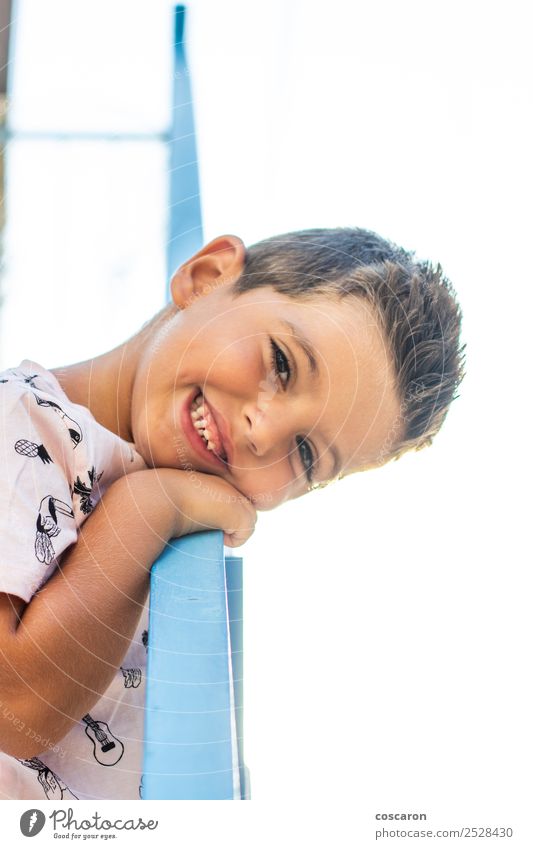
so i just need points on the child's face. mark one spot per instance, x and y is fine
(275, 417)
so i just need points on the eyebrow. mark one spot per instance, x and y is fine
(305, 346)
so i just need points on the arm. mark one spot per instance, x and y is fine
(73, 634)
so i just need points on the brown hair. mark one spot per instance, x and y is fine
(413, 300)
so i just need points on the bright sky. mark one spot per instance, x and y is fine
(388, 617)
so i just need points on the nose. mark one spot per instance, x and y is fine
(266, 429)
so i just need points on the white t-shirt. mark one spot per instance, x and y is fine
(56, 461)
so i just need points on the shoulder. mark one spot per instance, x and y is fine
(35, 412)
(37, 519)
(34, 423)
(31, 402)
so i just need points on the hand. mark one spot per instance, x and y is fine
(206, 502)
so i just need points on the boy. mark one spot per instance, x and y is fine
(272, 371)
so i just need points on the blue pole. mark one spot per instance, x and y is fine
(185, 216)
(193, 716)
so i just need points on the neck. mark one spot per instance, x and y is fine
(104, 385)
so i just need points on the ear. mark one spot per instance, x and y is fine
(219, 263)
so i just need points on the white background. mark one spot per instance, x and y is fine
(387, 620)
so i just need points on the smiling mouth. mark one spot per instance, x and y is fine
(204, 423)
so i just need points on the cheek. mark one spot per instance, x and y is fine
(266, 486)
(237, 365)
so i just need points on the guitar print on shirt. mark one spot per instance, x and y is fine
(47, 526)
(132, 677)
(107, 749)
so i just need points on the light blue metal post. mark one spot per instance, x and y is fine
(234, 586)
(193, 716)
(194, 700)
(185, 216)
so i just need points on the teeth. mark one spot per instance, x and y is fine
(200, 421)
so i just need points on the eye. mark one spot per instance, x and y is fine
(281, 367)
(280, 363)
(308, 460)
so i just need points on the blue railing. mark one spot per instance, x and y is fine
(185, 215)
(193, 717)
(193, 743)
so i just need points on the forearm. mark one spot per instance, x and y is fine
(75, 632)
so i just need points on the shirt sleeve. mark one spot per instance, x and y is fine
(37, 521)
